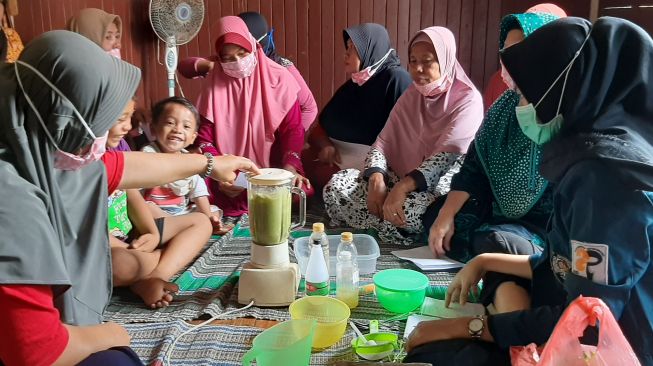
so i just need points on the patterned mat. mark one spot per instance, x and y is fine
(213, 345)
(209, 286)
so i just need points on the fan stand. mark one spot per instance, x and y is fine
(175, 22)
(171, 57)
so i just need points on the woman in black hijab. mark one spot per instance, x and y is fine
(264, 35)
(357, 112)
(588, 100)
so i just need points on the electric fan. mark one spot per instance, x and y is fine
(175, 22)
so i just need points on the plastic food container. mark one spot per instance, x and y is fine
(400, 290)
(331, 315)
(366, 246)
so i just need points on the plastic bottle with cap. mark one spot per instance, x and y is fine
(347, 275)
(317, 274)
(319, 234)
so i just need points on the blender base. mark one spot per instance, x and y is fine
(268, 286)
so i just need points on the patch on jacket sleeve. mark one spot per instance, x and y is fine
(560, 266)
(590, 261)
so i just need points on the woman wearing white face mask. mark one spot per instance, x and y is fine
(358, 110)
(419, 149)
(249, 108)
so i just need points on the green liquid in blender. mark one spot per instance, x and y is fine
(269, 216)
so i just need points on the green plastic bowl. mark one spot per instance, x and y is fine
(386, 344)
(400, 290)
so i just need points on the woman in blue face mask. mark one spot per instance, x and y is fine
(590, 108)
(594, 83)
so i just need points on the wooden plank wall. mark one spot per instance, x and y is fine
(309, 32)
(577, 8)
(639, 12)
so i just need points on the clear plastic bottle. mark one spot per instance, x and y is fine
(319, 234)
(317, 274)
(347, 271)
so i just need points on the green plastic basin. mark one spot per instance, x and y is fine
(400, 290)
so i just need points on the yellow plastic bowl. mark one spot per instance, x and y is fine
(331, 315)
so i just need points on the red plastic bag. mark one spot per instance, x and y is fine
(564, 348)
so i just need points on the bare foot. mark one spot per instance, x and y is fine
(155, 292)
(222, 229)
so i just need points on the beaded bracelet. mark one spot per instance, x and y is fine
(209, 165)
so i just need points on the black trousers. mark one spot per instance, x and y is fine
(460, 352)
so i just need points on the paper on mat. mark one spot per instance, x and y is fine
(433, 309)
(425, 260)
(412, 322)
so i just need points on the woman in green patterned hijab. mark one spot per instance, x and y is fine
(509, 158)
(498, 201)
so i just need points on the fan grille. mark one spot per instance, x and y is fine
(176, 21)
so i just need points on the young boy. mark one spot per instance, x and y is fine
(147, 252)
(174, 125)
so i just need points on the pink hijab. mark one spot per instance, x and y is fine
(247, 112)
(419, 127)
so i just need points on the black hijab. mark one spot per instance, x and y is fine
(258, 27)
(358, 113)
(608, 101)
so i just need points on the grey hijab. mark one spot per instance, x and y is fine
(53, 223)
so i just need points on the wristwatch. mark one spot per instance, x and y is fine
(476, 326)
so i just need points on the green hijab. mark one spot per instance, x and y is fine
(510, 159)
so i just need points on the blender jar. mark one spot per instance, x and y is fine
(270, 201)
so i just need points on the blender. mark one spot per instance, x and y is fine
(269, 279)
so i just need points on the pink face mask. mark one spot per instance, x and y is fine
(364, 75)
(434, 88)
(64, 160)
(241, 68)
(507, 79)
(115, 52)
(68, 161)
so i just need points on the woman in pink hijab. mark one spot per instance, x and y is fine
(249, 103)
(419, 149)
